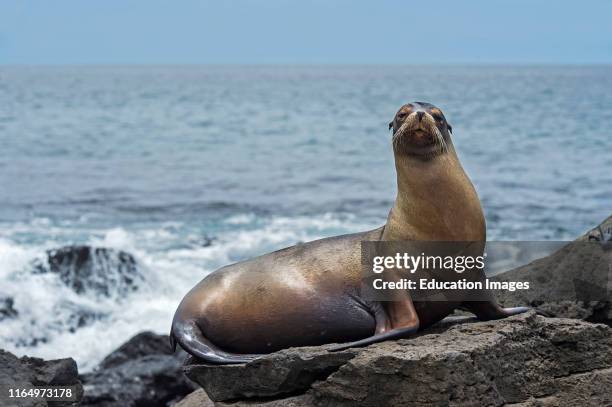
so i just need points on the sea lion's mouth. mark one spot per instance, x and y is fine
(419, 139)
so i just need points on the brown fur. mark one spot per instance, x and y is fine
(309, 294)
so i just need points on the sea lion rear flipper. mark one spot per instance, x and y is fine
(397, 333)
(190, 337)
(489, 310)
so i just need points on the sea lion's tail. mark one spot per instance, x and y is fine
(192, 339)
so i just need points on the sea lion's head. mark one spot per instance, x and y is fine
(420, 130)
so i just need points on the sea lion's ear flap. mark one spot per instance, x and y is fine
(450, 128)
(390, 125)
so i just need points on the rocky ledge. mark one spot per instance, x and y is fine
(526, 360)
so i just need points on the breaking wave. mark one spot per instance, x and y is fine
(55, 320)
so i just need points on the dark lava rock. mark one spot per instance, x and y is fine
(141, 372)
(77, 315)
(7, 308)
(142, 344)
(524, 360)
(573, 282)
(96, 270)
(203, 241)
(198, 398)
(27, 372)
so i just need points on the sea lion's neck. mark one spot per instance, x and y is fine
(435, 201)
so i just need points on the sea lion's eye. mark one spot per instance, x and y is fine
(401, 115)
(438, 118)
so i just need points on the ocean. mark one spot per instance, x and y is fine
(191, 168)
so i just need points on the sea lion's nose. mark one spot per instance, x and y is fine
(420, 115)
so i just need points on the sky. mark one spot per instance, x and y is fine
(305, 32)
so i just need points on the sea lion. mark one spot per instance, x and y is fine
(309, 294)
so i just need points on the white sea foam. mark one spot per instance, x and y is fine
(45, 304)
(240, 219)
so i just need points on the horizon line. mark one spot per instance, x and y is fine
(291, 64)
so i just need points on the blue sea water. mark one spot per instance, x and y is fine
(158, 160)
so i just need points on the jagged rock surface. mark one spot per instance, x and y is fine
(27, 372)
(574, 282)
(521, 360)
(141, 372)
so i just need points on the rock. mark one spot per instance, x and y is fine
(76, 315)
(573, 282)
(286, 373)
(95, 273)
(582, 389)
(198, 398)
(27, 372)
(142, 344)
(141, 372)
(94, 270)
(523, 360)
(202, 241)
(7, 308)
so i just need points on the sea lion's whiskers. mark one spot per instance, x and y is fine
(440, 140)
(444, 145)
(399, 134)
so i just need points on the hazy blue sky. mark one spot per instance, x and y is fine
(318, 31)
